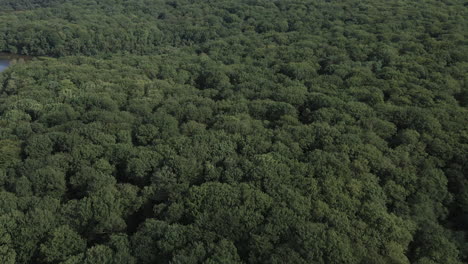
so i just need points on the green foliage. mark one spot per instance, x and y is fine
(245, 131)
(62, 244)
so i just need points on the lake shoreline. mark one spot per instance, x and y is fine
(12, 56)
(7, 59)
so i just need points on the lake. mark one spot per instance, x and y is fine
(7, 59)
(4, 64)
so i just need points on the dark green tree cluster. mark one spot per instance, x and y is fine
(246, 131)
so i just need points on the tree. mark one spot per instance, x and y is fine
(63, 244)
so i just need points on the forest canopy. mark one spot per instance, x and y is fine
(246, 131)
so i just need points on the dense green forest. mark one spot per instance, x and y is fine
(245, 131)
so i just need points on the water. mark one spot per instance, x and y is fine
(7, 60)
(4, 64)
